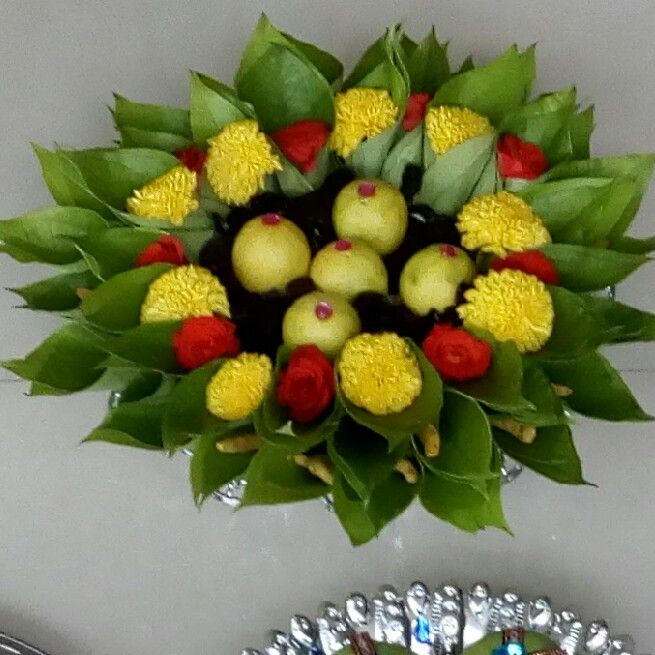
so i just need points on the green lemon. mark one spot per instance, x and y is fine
(269, 251)
(432, 276)
(326, 320)
(349, 268)
(373, 211)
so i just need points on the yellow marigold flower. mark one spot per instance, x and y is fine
(171, 196)
(183, 292)
(513, 306)
(238, 160)
(498, 222)
(360, 114)
(447, 127)
(380, 373)
(239, 386)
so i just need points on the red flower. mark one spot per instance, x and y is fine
(306, 385)
(519, 158)
(192, 157)
(456, 354)
(533, 262)
(416, 108)
(204, 338)
(302, 141)
(166, 250)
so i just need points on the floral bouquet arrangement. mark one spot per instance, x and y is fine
(368, 287)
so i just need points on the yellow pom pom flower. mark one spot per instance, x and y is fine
(171, 196)
(239, 386)
(238, 160)
(360, 114)
(447, 127)
(513, 306)
(380, 373)
(499, 222)
(183, 292)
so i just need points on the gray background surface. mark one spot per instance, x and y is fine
(101, 550)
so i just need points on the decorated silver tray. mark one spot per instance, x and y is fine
(442, 621)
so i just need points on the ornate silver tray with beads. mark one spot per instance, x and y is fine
(442, 621)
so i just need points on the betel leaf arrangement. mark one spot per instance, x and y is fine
(370, 287)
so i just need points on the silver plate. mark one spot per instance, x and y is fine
(12, 646)
(442, 621)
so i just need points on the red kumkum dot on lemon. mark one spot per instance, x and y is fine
(343, 244)
(447, 249)
(366, 189)
(271, 219)
(323, 310)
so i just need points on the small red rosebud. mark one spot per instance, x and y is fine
(166, 250)
(417, 105)
(192, 157)
(519, 158)
(202, 339)
(532, 262)
(306, 385)
(301, 142)
(456, 354)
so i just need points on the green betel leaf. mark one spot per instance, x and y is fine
(466, 445)
(547, 406)
(500, 388)
(273, 477)
(136, 424)
(285, 89)
(115, 250)
(449, 182)
(581, 210)
(427, 65)
(368, 158)
(364, 519)
(543, 121)
(620, 322)
(581, 126)
(57, 293)
(144, 384)
(151, 118)
(266, 34)
(460, 504)
(213, 106)
(151, 126)
(66, 183)
(381, 67)
(274, 426)
(634, 246)
(326, 64)
(552, 454)
(133, 137)
(351, 512)
(46, 235)
(492, 90)
(67, 361)
(362, 456)
(588, 269)
(211, 469)
(149, 345)
(407, 152)
(637, 168)
(112, 174)
(116, 304)
(575, 328)
(397, 428)
(598, 389)
(187, 416)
